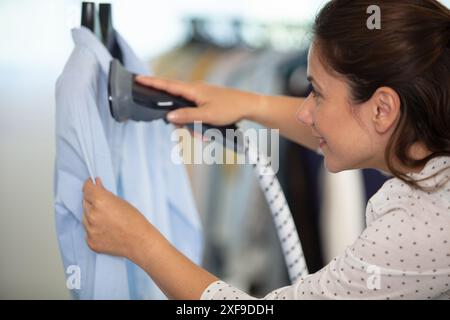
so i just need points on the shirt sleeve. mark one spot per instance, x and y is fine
(396, 257)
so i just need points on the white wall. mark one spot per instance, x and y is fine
(34, 47)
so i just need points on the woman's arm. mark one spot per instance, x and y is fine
(176, 275)
(221, 106)
(115, 227)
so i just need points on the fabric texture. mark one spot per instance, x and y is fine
(133, 159)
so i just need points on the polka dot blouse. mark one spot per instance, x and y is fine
(404, 253)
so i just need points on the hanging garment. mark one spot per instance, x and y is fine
(134, 162)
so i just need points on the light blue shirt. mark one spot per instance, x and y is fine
(134, 162)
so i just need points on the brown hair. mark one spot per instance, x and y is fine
(410, 53)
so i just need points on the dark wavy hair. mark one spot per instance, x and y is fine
(410, 53)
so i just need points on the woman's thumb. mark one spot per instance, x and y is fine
(98, 182)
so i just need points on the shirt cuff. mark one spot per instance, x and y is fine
(212, 289)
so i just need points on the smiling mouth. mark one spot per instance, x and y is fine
(322, 141)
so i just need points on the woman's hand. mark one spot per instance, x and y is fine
(215, 105)
(112, 225)
(115, 227)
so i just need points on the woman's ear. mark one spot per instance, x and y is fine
(386, 109)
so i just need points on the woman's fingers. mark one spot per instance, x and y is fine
(174, 87)
(85, 220)
(178, 88)
(98, 182)
(92, 191)
(187, 115)
(88, 191)
(86, 206)
(86, 212)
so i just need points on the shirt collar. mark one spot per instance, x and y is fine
(432, 167)
(82, 36)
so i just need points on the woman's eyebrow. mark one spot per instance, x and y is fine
(311, 79)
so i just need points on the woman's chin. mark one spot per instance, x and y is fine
(335, 165)
(331, 165)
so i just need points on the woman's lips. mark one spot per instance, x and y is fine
(322, 142)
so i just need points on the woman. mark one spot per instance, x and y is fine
(380, 99)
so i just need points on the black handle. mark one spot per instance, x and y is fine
(158, 99)
(222, 129)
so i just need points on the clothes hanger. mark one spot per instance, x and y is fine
(197, 34)
(237, 25)
(88, 15)
(108, 34)
(101, 27)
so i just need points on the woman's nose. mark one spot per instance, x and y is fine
(305, 112)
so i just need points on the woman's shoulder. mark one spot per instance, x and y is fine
(397, 195)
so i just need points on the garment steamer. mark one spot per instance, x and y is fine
(130, 100)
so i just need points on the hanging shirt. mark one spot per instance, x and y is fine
(133, 159)
(404, 253)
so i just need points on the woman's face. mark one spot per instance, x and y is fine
(345, 132)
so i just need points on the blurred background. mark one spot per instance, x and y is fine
(256, 45)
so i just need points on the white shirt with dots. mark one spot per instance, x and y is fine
(404, 253)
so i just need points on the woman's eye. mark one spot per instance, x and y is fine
(315, 94)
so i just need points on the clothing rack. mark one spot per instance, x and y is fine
(253, 34)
